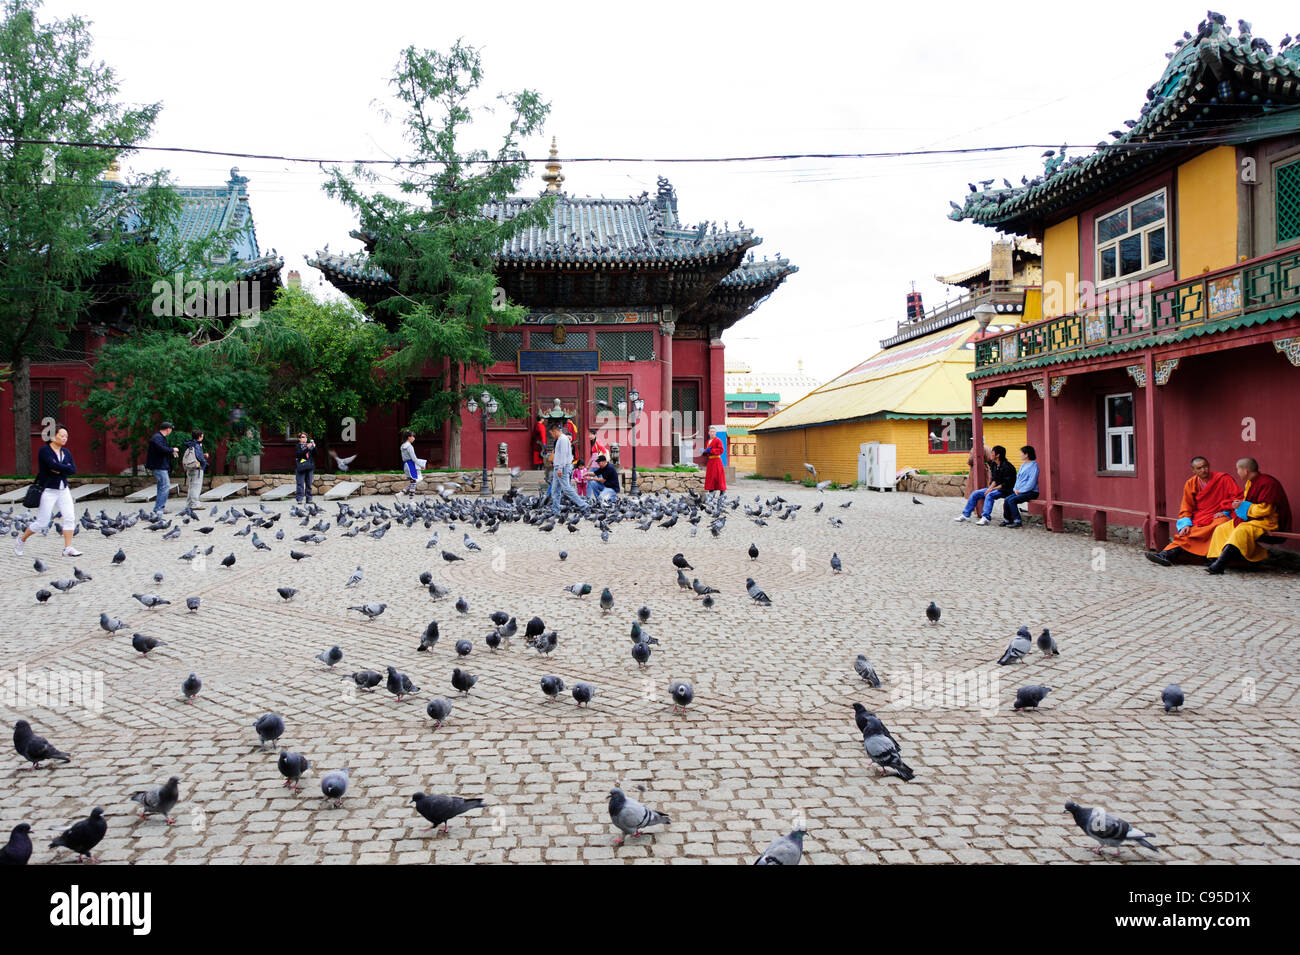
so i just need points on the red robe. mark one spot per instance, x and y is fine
(1205, 505)
(540, 437)
(715, 478)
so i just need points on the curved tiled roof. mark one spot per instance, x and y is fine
(1212, 82)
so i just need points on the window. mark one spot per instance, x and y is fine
(1117, 433)
(515, 385)
(749, 405)
(1132, 239)
(626, 346)
(950, 435)
(505, 346)
(46, 400)
(1288, 202)
(608, 396)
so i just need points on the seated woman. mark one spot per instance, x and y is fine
(1026, 487)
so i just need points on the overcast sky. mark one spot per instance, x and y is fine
(677, 80)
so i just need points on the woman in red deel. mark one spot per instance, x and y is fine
(715, 478)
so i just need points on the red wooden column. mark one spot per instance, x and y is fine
(660, 432)
(1049, 471)
(975, 477)
(1153, 454)
(717, 392)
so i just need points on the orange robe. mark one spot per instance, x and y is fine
(1205, 503)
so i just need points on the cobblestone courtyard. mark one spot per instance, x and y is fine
(769, 742)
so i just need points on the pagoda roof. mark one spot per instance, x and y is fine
(1217, 88)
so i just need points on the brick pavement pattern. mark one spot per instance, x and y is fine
(768, 744)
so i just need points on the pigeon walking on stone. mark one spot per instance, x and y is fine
(1172, 697)
(552, 686)
(429, 639)
(784, 850)
(143, 644)
(866, 670)
(19, 847)
(371, 611)
(438, 708)
(681, 562)
(1047, 645)
(82, 837)
(191, 604)
(641, 654)
(682, 693)
(462, 606)
(150, 600)
(463, 680)
(270, 727)
(756, 593)
(365, 679)
(932, 612)
(606, 601)
(399, 684)
(836, 564)
(190, 687)
(439, 810)
(630, 817)
(355, 578)
(1028, 697)
(111, 624)
(334, 785)
(292, 766)
(463, 648)
(330, 657)
(1107, 829)
(35, 749)
(883, 750)
(753, 552)
(583, 692)
(286, 593)
(160, 800)
(1020, 645)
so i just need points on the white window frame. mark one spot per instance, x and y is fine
(1128, 446)
(1143, 231)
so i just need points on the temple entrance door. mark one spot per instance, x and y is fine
(688, 429)
(569, 391)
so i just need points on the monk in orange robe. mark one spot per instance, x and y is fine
(1263, 507)
(1207, 496)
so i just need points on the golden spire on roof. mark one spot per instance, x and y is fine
(553, 177)
(113, 173)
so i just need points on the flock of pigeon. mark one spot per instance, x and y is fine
(630, 817)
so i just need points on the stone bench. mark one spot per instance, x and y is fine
(279, 492)
(144, 494)
(14, 496)
(222, 491)
(87, 490)
(341, 490)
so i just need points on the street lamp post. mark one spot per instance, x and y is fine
(489, 408)
(638, 405)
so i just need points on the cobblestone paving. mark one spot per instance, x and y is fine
(768, 744)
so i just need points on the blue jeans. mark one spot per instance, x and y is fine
(562, 487)
(302, 484)
(597, 490)
(988, 495)
(163, 477)
(1010, 508)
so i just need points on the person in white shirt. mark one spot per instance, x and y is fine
(562, 461)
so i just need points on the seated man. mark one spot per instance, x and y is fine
(1263, 507)
(602, 483)
(1026, 488)
(1002, 479)
(1206, 499)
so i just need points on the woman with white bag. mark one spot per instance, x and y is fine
(55, 466)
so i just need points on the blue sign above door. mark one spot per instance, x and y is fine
(545, 362)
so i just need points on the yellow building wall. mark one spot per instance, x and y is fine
(1207, 212)
(1060, 268)
(833, 448)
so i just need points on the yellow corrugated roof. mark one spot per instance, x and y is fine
(922, 377)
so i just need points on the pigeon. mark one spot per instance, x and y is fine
(19, 847)
(437, 591)
(228, 561)
(463, 648)
(1047, 644)
(630, 817)
(1028, 697)
(753, 552)
(682, 693)
(159, 801)
(158, 578)
(40, 566)
(882, 749)
(144, 644)
(81, 575)
(292, 766)
(641, 654)
(810, 469)
(546, 643)
(643, 614)
(683, 581)
(82, 837)
(783, 850)
(429, 639)
(1172, 697)
(756, 594)
(681, 563)
(552, 686)
(150, 601)
(1020, 645)
(866, 670)
(470, 545)
(579, 590)
(399, 684)
(334, 784)
(449, 557)
(493, 640)
(298, 555)
(932, 612)
(441, 809)
(191, 604)
(701, 589)
(286, 593)
(355, 578)
(43, 595)
(439, 708)
(915, 501)
(564, 555)
(426, 578)
(66, 584)
(535, 628)
(583, 692)
(270, 728)
(863, 717)
(365, 679)
(462, 680)
(836, 564)
(111, 624)
(462, 605)
(707, 601)
(1107, 829)
(606, 601)
(35, 749)
(119, 556)
(190, 687)
(330, 657)
(499, 617)
(370, 610)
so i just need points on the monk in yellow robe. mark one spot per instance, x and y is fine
(1263, 507)
(1205, 505)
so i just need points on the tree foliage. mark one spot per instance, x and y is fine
(434, 237)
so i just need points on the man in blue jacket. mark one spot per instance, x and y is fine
(159, 463)
(1026, 488)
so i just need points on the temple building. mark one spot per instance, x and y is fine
(913, 392)
(59, 377)
(753, 397)
(622, 296)
(1171, 292)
